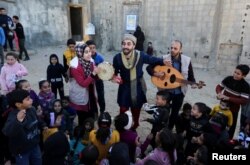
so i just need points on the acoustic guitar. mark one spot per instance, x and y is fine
(172, 78)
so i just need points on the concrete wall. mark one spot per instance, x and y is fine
(206, 28)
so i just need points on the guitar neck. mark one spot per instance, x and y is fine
(184, 81)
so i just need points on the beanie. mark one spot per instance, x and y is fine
(129, 37)
(104, 120)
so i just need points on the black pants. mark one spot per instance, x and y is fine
(57, 87)
(176, 103)
(10, 40)
(100, 95)
(22, 48)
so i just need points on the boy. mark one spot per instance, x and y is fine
(69, 53)
(21, 128)
(160, 113)
(235, 90)
(98, 58)
(223, 109)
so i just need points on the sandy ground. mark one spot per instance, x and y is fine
(39, 61)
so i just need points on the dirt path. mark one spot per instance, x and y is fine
(37, 70)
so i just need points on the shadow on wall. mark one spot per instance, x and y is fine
(43, 39)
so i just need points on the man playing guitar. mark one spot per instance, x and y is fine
(182, 63)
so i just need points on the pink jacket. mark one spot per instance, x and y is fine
(9, 75)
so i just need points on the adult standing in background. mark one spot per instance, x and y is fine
(98, 58)
(2, 41)
(21, 38)
(140, 38)
(132, 88)
(8, 27)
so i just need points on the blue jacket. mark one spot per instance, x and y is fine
(98, 58)
(2, 36)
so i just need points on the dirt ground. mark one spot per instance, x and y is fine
(40, 59)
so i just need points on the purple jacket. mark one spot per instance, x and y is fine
(158, 155)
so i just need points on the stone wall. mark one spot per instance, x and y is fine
(204, 26)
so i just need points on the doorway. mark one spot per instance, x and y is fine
(76, 22)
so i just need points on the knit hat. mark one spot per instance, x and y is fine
(124, 121)
(104, 120)
(119, 152)
(129, 37)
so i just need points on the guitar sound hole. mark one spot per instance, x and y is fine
(168, 70)
(172, 78)
(166, 84)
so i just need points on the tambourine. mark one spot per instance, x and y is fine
(107, 71)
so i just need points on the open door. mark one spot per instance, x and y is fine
(76, 22)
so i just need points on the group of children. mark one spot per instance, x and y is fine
(200, 130)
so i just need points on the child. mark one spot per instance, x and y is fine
(58, 118)
(165, 152)
(69, 53)
(244, 137)
(22, 128)
(161, 112)
(88, 126)
(71, 111)
(45, 96)
(200, 156)
(89, 155)
(223, 109)
(76, 145)
(150, 49)
(104, 136)
(56, 148)
(123, 124)
(118, 152)
(25, 85)
(235, 90)
(183, 120)
(55, 71)
(199, 123)
(11, 72)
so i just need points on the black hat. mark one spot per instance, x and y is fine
(104, 120)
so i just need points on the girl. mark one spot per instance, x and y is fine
(81, 85)
(11, 72)
(165, 152)
(25, 85)
(55, 71)
(58, 117)
(45, 96)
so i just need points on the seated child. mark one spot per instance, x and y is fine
(22, 128)
(104, 136)
(223, 108)
(46, 96)
(88, 126)
(161, 112)
(89, 155)
(183, 119)
(58, 118)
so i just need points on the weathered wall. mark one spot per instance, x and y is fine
(214, 33)
(45, 22)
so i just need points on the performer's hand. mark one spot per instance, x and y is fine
(167, 62)
(96, 70)
(117, 79)
(159, 74)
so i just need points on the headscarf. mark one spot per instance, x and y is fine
(86, 65)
